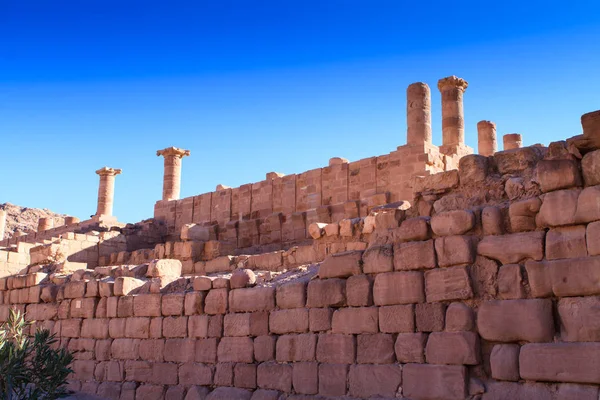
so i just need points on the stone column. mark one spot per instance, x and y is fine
(486, 138)
(452, 89)
(418, 113)
(2, 223)
(512, 141)
(172, 176)
(71, 220)
(45, 223)
(106, 190)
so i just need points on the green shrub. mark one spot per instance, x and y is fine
(31, 369)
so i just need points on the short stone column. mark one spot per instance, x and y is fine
(452, 89)
(45, 223)
(172, 175)
(512, 141)
(418, 113)
(71, 220)
(106, 190)
(2, 223)
(486, 138)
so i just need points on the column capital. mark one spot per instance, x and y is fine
(107, 171)
(173, 151)
(452, 81)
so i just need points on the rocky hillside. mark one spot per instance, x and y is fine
(25, 219)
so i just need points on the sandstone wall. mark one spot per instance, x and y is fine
(487, 288)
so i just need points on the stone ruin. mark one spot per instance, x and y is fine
(426, 273)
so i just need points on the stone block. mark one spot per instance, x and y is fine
(341, 265)
(125, 349)
(150, 392)
(74, 289)
(398, 288)
(166, 267)
(252, 299)
(397, 318)
(522, 214)
(125, 285)
(593, 238)
(355, 320)
(422, 381)
(359, 291)
(377, 259)
(375, 349)
(164, 373)
(193, 303)
(504, 362)
(291, 295)
(219, 264)
(180, 350)
(430, 317)
(147, 305)
(244, 376)
(227, 393)
(510, 282)
(270, 375)
(558, 174)
(566, 242)
(516, 320)
(152, 350)
(305, 377)
(579, 319)
(198, 326)
(451, 223)
(514, 248)
(319, 319)
(95, 328)
(590, 166)
(326, 293)
(558, 208)
(292, 348)
(366, 381)
(264, 348)
(455, 250)
(172, 304)
(236, 349)
(458, 348)
(195, 374)
(206, 351)
(332, 379)
(336, 349)
(174, 327)
(459, 317)
(224, 374)
(414, 255)
(410, 347)
(443, 284)
(216, 301)
(248, 324)
(293, 320)
(571, 391)
(83, 308)
(569, 277)
(492, 221)
(412, 229)
(560, 362)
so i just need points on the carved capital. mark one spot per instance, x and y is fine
(173, 151)
(106, 171)
(452, 81)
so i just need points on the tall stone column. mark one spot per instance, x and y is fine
(106, 190)
(45, 223)
(2, 223)
(486, 138)
(452, 89)
(418, 113)
(512, 141)
(172, 176)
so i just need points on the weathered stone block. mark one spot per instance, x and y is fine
(305, 377)
(375, 349)
(336, 349)
(319, 319)
(270, 375)
(294, 320)
(378, 259)
(450, 223)
(355, 320)
(216, 301)
(398, 318)
(522, 214)
(366, 381)
(516, 320)
(412, 229)
(174, 327)
(291, 348)
(147, 305)
(414, 255)
(332, 379)
(510, 282)
(180, 350)
(165, 267)
(459, 317)
(326, 292)
(410, 347)
(504, 362)
(206, 350)
(359, 291)
(558, 208)
(514, 248)
(236, 349)
(247, 324)
(566, 242)
(453, 348)
(291, 295)
(195, 374)
(580, 319)
(252, 299)
(558, 174)
(422, 381)
(264, 348)
(560, 362)
(398, 288)
(448, 284)
(455, 250)
(492, 221)
(430, 317)
(198, 326)
(341, 265)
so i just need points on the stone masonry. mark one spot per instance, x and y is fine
(482, 282)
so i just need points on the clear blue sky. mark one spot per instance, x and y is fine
(257, 86)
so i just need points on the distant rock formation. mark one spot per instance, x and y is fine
(25, 219)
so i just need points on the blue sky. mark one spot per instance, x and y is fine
(257, 86)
